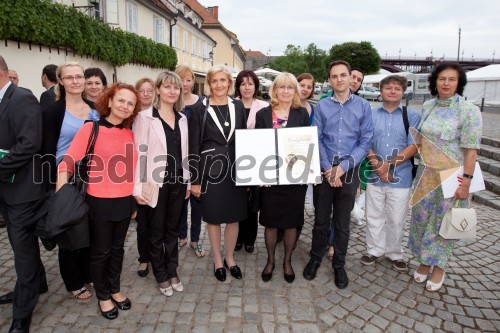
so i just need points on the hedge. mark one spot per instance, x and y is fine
(55, 25)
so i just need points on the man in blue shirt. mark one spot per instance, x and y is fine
(344, 134)
(388, 189)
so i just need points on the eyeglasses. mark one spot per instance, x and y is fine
(73, 78)
(146, 91)
(285, 88)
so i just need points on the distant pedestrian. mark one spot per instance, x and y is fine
(49, 80)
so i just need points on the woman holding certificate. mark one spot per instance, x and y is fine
(211, 141)
(451, 135)
(282, 206)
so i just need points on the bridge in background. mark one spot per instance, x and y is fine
(426, 64)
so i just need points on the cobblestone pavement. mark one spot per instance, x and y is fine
(378, 298)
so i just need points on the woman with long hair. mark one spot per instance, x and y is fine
(162, 131)
(61, 121)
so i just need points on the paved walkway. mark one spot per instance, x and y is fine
(378, 298)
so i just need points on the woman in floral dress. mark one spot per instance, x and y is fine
(450, 136)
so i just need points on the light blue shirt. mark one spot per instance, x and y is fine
(4, 89)
(389, 138)
(69, 128)
(344, 131)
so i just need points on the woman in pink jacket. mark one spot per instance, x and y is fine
(161, 183)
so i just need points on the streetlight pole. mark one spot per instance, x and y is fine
(459, 37)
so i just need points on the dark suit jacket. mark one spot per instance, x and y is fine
(21, 134)
(204, 152)
(296, 118)
(53, 117)
(47, 97)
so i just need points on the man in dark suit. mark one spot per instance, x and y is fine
(21, 136)
(49, 80)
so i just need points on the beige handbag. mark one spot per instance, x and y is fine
(459, 223)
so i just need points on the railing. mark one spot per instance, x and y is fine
(439, 59)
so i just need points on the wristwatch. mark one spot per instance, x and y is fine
(467, 176)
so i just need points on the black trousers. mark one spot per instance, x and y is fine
(75, 268)
(341, 200)
(142, 234)
(163, 227)
(20, 228)
(248, 227)
(107, 239)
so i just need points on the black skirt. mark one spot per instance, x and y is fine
(222, 201)
(282, 206)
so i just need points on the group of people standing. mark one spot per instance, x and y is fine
(160, 147)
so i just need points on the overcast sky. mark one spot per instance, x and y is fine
(413, 26)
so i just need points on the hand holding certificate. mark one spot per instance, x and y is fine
(451, 179)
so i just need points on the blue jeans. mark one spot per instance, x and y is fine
(195, 219)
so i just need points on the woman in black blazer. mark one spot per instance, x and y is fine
(282, 206)
(212, 166)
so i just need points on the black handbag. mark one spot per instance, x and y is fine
(78, 236)
(82, 167)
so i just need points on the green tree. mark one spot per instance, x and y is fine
(362, 55)
(315, 59)
(291, 61)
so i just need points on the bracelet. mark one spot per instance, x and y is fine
(468, 176)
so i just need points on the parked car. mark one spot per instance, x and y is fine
(369, 93)
(317, 90)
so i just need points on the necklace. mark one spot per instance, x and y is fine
(226, 123)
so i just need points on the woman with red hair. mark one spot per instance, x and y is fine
(109, 190)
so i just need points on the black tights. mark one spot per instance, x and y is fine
(289, 239)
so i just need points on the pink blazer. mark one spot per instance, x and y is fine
(257, 104)
(148, 131)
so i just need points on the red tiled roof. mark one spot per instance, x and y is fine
(202, 11)
(250, 53)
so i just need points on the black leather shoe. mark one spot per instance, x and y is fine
(267, 276)
(238, 247)
(341, 279)
(143, 272)
(310, 270)
(249, 248)
(288, 277)
(123, 305)
(20, 325)
(234, 270)
(7, 298)
(110, 314)
(220, 273)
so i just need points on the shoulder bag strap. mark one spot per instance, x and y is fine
(405, 119)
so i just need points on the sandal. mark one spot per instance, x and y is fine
(181, 242)
(198, 249)
(80, 293)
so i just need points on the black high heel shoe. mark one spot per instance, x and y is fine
(238, 247)
(234, 270)
(143, 272)
(220, 273)
(249, 248)
(110, 314)
(123, 305)
(267, 276)
(288, 277)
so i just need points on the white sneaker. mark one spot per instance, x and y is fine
(357, 212)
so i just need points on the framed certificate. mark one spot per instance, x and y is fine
(284, 156)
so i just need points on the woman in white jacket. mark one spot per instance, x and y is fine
(161, 184)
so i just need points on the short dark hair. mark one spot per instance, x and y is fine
(336, 63)
(95, 71)
(394, 78)
(307, 76)
(239, 80)
(50, 71)
(462, 77)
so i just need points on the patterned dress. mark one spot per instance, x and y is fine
(447, 126)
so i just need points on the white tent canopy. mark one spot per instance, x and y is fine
(484, 83)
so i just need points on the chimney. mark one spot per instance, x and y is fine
(214, 11)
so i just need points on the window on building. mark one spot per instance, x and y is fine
(193, 45)
(159, 29)
(185, 41)
(175, 36)
(200, 48)
(131, 17)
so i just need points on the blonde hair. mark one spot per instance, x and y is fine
(284, 79)
(172, 78)
(59, 88)
(211, 73)
(184, 71)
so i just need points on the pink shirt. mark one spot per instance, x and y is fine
(113, 165)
